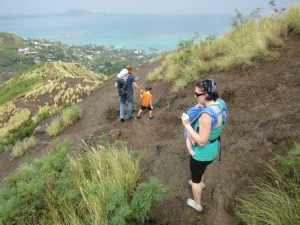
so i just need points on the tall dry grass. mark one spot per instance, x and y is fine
(242, 47)
(91, 186)
(67, 118)
(276, 198)
(15, 121)
(22, 147)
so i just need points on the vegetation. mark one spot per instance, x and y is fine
(94, 186)
(12, 135)
(15, 122)
(277, 199)
(22, 147)
(58, 88)
(17, 87)
(67, 118)
(100, 59)
(31, 84)
(42, 80)
(248, 43)
(11, 60)
(47, 111)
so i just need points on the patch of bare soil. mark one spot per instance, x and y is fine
(263, 120)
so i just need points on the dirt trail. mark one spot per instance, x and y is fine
(263, 120)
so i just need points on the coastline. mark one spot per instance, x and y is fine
(161, 32)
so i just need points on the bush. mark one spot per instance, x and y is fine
(68, 117)
(93, 186)
(277, 199)
(27, 129)
(22, 147)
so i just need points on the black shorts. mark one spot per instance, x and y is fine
(197, 169)
(143, 108)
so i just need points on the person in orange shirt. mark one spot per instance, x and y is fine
(146, 102)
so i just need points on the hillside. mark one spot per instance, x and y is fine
(49, 85)
(263, 118)
(10, 57)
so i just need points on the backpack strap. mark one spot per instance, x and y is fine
(210, 111)
(195, 114)
(223, 111)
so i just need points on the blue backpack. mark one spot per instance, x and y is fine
(194, 113)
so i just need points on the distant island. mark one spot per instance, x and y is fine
(77, 12)
(73, 35)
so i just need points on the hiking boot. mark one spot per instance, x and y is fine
(122, 120)
(151, 117)
(130, 118)
(139, 117)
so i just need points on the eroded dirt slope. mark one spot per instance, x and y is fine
(263, 120)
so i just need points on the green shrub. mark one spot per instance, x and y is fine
(16, 135)
(93, 186)
(145, 195)
(277, 199)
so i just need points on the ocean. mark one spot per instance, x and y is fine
(141, 32)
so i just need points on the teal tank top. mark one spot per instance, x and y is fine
(209, 151)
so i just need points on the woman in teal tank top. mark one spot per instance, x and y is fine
(202, 139)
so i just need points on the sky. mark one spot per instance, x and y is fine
(40, 7)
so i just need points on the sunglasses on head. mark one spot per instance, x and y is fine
(199, 94)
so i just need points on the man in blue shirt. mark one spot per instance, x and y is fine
(129, 97)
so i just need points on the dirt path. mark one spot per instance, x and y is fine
(263, 120)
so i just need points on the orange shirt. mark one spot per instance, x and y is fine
(147, 98)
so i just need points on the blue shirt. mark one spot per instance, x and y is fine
(129, 82)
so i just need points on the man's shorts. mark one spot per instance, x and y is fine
(197, 169)
(144, 107)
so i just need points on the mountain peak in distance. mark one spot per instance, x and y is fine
(77, 12)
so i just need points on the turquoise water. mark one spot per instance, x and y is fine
(122, 31)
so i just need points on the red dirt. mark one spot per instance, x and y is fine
(263, 120)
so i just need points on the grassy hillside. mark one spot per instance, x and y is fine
(247, 44)
(38, 79)
(11, 59)
(41, 91)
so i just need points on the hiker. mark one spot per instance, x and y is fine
(203, 126)
(130, 83)
(120, 81)
(146, 102)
